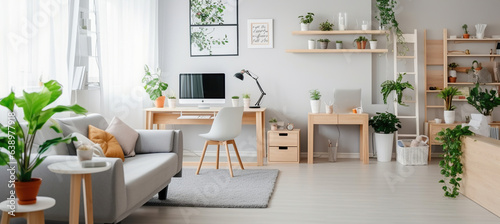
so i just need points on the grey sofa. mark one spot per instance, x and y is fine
(120, 190)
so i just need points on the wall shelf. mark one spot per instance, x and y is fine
(339, 32)
(462, 40)
(473, 55)
(337, 51)
(471, 84)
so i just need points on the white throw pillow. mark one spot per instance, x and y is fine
(82, 140)
(126, 136)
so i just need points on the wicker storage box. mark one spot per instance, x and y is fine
(411, 156)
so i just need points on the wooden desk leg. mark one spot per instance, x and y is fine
(36, 218)
(74, 198)
(5, 218)
(310, 140)
(149, 120)
(87, 195)
(364, 135)
(259, 127)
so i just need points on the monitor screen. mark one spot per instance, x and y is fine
(202, 88)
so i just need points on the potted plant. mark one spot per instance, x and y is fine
(447, 94)
(311, 44)
(315, 96)
(326, 26)
(19, 142)
(390, 85)
(338, 44)
(384, 125)
(387, 20)
(172, 101)
(323, 43)
(484, 101)
(305, 21)
(154, 86)
(274, 124)
(466, 33)
(361, 42)
(452, 72)
(451, 164)
(373, 43)
(246, 100)
(235, 100)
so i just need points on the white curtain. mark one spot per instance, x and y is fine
(129, 39)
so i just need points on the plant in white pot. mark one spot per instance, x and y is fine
(315, 100)
(172, 101)
(323, 43)
(484, 101)
(452, 73)
(305, 21)
(384, 125)
(373, 43)
(235, 100)
(274, 124)
(246, 100)
(338, 44)
(449, 109)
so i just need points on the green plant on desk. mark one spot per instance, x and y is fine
(235, 97)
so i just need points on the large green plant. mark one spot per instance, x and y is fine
(152, 83)
(385, 123)
(387, 19)
(18, 142)
(451, 165)
(390, 85)
(484, 101)
(447, 94)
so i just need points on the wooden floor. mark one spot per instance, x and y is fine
(342, 192)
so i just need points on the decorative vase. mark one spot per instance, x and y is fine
(329, 109)
(315, 104)
(274, 126)
(449, 116)
(236, 102)
(304, 26)
(311, 44)
(84, 155)
(323, 45)
(384, 144)
(27, 191)
(160, 102)
(342, 21)
(373, 45)
(171, 103)
(246, 102)
(338, 45)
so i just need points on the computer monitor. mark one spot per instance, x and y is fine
(202, 89)
(344, 100)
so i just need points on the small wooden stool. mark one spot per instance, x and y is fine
(32, 213)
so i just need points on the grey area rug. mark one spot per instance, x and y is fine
(251, 188)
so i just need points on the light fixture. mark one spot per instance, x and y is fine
(240, 76)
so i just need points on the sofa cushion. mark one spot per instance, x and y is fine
(126, 136)
(82, 140)
(146, 173)
(80, 125)
(153, 141)
(108, 142)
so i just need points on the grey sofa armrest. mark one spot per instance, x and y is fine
(161, 141)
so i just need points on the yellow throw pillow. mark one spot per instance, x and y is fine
(108, 142)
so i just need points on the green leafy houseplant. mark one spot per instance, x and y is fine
(338, 41)
(315, 94)
(307, 19)
(385, 123)
(326, 26)
(387, 20)
(398, 86)
(465, 29)
(451, 164)
(484, 101)
(447, 94)
(235, 97)
(452, 65)
(246, 96)
(273, 120)
(152, 83)
(324, 40)
(20, 143)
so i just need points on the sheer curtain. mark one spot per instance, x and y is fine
(129, 39)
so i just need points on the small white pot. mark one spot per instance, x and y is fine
(452, 73)
(235, 102)
(338, 45)
(311, 44)
(274, 126)
(84, 155)
(172, 103)
(384, 144)
(304, 26)
(373, 45)
(449, 116)
(315, 104)
(246, 102)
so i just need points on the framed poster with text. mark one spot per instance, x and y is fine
(260, 33)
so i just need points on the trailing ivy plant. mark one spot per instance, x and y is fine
(484, 101)
(451, 165)
(387, 19)
(385, 123)
(390, 85)
(205, 12)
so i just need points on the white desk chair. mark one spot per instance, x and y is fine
(226, 126)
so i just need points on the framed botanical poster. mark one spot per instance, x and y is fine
(214, 28)
(260, 33)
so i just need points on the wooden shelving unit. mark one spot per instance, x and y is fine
(337, 51)
(339, 32)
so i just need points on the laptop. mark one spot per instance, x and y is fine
(344, 100)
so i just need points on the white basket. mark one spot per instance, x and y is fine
(412, 156)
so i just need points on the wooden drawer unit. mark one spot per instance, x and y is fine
(283, 146)
(435, 128)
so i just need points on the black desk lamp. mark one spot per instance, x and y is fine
(239, 75)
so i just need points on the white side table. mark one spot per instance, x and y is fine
(32, 213)
(77, 175)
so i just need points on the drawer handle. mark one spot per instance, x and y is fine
(283, 134)
(283, 148)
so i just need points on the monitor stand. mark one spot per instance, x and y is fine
(201, 106)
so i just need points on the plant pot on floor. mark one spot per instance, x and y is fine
(384, 144)
(160, 102)
(449, 116)
(235, 102)
(315, 105)
(27, 191)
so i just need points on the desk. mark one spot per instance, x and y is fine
(339, 119)
(170, 116)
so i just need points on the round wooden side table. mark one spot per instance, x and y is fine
(32, 213)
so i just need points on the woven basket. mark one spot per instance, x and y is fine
(411, 156)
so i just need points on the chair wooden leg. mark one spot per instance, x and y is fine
(237, 154)
(202, 156)
(217, 158)
(228, 159)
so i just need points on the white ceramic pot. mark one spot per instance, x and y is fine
(311, 44)
(274, 126)
(172, 103)
(246, 102)
(384, 144)
(373, 45)
(338, 45)
(84, 155)
(304, 27)
(449, 116)
(452, 73)
(236, 102)
(315, 104)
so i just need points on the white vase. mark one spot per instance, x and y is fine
(246, 102)
(304, 26)
(236, 102)
(373, 45)
(84, 155)
(315, 104)
(452, 73)
(172, 103)
(449, 116)
(384, 144)
(311, 44)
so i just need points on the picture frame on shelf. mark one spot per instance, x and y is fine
(260, 33)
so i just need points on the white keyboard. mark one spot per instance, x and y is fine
(195, 117)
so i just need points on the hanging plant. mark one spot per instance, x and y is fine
(387, 20)
(390, 85)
